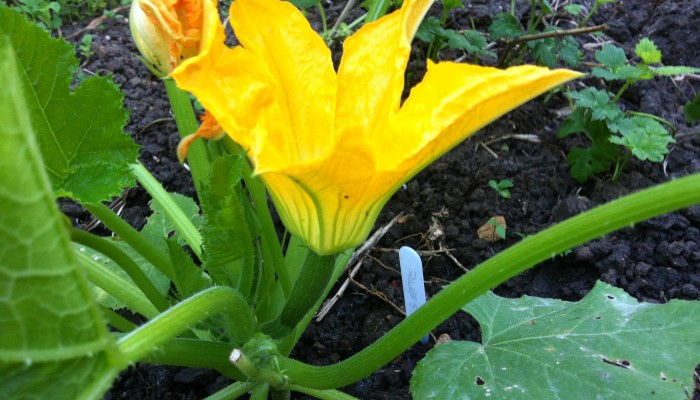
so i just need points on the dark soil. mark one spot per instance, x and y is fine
(655, 261)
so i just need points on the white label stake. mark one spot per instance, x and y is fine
(413, 285)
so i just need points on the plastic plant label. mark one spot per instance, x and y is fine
(413, 285)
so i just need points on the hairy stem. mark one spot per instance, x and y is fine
(220, 299)
(182, 222)
(197, 156)
(132, 237)
(136, 274)
(527, 253)
(232, 391)
(115, 285)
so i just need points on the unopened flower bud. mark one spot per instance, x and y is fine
(166, 32)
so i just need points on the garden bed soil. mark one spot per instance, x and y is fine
(654, 261)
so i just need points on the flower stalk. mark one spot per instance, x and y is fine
(125, 262)
(624, 212)
(220, 299)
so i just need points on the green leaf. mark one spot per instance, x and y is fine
(542, 52)
(611, 56)
(587, 162)
(647, 51)
(692, 110)
(304, 3)
(470, 41)
(505, 25)
(231, 255)
(625, 72)
(159, 227)
(429, 30)
(580, 160)
(189, 278)
(568, 51)
(606, 346)
(645, 138)
(546, 7)
(450, 5)
(598, 101)
(574, 123)
(573, 9)
(672, 70)
(53, 343)
(80, 133)
(604, 73)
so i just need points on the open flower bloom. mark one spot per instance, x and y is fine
(333, 147)
(168, 31)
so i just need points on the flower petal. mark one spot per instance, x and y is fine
(275, 95)
(452, 102)
(371, 73)
(334, 202)
(300, 64)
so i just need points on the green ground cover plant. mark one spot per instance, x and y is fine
(616, 135)
(51, 15)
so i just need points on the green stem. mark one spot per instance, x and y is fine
(260, 392)
(115, 285)
(356, 22)
(310, 284)
(232, 391)
(343, 14)
(590, 14)
(182, 222)
(533, 13)
(621, 213)
(197, 156)
(286, 346)
(220, 299)
(276, 379)
(196, 353)
(136, 274)
(620, 165)
(117, 321)
(322, 13)
(377, 9)
(132, 237)
(322, 394)
(270, 241)
(622, 90)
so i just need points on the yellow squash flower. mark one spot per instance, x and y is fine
(333, 147)
(168, 31)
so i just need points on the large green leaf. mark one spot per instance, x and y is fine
(53, 343)
(80, 133)
(606, 346)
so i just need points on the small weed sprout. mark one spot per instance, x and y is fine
(85, 47)
(502, 187)
(500, 229)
